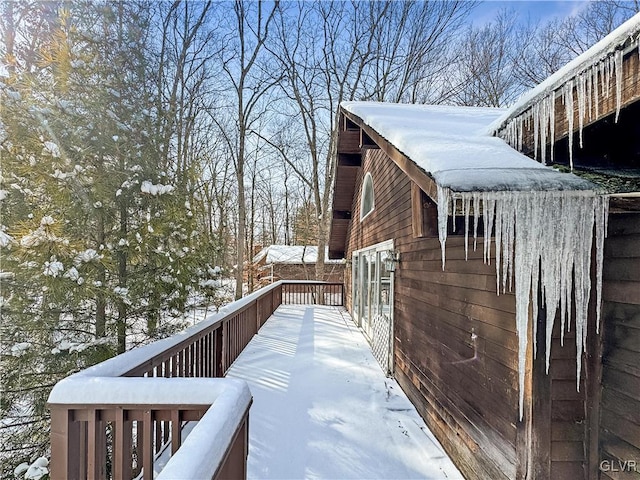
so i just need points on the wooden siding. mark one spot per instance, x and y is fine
(455, 346)
(620, 410)
(567, 413)
(455, 341)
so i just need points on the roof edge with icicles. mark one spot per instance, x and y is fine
(590, 74)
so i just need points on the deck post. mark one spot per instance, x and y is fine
(66, 449)
(79, 443)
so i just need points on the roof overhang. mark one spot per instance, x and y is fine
(435, 146)
(623, 40)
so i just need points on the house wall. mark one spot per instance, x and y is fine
(560, 431)
(466, 388)
(455, 345)
(620, 404)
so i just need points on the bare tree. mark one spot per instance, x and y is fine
(249, 83)
(484, 64)
(542, 49)
(578, 32)
(323, 49)
(412, 41)
(339, 51)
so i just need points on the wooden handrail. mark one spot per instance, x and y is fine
(106, 424)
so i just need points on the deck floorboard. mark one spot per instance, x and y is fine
(323, 408)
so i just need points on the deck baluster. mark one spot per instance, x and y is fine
(80, 444)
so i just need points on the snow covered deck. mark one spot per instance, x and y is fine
(323, 408)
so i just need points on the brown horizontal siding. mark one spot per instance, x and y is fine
(477, 450)
(622, 292)
(567, 413)
(349, 141)
(566, 470)
(466, 390)
(623, 246)
(494, 375)
(490, 403)
(469, 290)
(620, 404)
(623, 269)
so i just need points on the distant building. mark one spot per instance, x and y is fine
(294, 262)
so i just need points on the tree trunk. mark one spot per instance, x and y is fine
(101, 303)
(121, 323)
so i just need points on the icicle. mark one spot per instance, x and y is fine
(534, 273)
(602, 212)
(552, 255)
(523, 280)
(543, 241)
(489, 209)
(607, 75)
(603, 78)
(476, 215)
(466, 206)
(589, 79)
(454, 208)
(618, 68)
(498, 240)
(542, 118)
(508, 237)
(444, 195)
(582, 274)
(552, 122)
(535, 110)
(580, 92)
(596, 95)
(567, 96)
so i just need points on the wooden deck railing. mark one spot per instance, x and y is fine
(124, 418)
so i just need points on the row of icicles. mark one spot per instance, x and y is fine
(591, 85)
(543, 242)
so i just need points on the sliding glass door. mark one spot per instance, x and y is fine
(373, 299)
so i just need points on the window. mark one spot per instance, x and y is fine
(367, 203)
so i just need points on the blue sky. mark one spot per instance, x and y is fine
(536, 9)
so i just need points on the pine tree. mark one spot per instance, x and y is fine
(99, 243)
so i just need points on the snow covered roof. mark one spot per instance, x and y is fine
(290, 254)
(453, 145)
(628, 32)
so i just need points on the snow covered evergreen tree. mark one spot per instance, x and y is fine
(98, 238)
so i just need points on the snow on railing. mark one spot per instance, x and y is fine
(220, 404)
(106, 424)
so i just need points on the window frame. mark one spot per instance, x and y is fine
(367, 186)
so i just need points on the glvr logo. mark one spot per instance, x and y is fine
(619, 466)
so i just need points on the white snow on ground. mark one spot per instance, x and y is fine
(322, 407)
